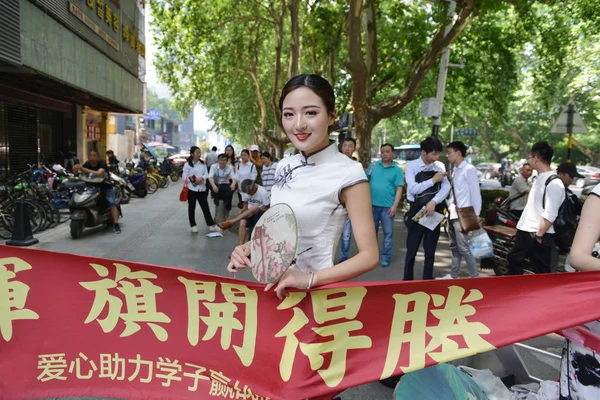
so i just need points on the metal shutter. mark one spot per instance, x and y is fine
(10, 32)
(18, 132)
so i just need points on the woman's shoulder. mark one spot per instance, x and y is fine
(350, 170)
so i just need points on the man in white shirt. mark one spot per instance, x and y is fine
(427, 186)
(211, 158)
(256, 202)
(466, 193)
(268, 171)
(519, 190)
(535, 234)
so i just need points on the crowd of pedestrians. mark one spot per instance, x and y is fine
(430, 188)
(335, 199)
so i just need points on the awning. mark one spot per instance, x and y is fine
(150, 149)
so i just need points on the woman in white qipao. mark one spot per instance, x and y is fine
(323, 187)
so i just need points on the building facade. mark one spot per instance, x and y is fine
(64, 66)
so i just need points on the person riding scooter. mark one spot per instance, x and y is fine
(98, 167)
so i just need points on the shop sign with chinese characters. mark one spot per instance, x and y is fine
(83, 326)
(103, 17)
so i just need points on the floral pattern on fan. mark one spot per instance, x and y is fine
(273, 243)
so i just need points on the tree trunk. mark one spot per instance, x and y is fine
(367, 115)
(515, 134)
(360, 82)
(295, 39)
(334, 50)
(488, 142)
(594, 157)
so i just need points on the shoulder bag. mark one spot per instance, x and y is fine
(468, 220)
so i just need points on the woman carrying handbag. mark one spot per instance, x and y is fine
(195, 175)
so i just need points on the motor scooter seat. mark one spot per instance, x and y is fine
(505, 232)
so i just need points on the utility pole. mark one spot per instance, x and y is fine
(441, 85)
(570, 114)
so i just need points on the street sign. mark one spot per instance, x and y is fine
(466, 132)
(562, 122)
(430, 108)
(153, 114)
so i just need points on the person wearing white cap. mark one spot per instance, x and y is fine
(255, 156)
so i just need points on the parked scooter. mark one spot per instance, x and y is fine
(88, 207)
(136, 180)
(121, 188)
(501, 226)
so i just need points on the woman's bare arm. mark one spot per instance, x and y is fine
(588, 233)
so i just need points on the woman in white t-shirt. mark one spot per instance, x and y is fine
(195, 174)
(579, 377)
(322, 186)
(245, 170)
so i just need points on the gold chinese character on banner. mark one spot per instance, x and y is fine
(221, 316)
(115, 22)
(76, 365)
(132, 39)
(138, 46)
(169, 370)
(451, 313)
(328, 305)
(13, 296)
(112, 366)
(140, 301)
(219, 384)
(197, 375)
(91, 4)
(108, 15)
(138, 362)
(100, 9)
(53, 366)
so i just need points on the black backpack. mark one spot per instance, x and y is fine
(565, 224)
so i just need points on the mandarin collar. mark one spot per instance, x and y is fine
(322, 155)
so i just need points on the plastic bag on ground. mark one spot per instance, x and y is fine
(489, 383)
(439, 382)
(480, 244)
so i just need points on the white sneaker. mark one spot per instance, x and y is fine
(214, 228)
(448, 276)
(194, 229)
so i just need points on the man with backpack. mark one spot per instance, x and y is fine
(567, 220)
(535, 232)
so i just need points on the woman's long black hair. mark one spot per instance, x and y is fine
(191, 158)
(231, 159)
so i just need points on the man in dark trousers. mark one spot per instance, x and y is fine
(535, 234)
(427, 186)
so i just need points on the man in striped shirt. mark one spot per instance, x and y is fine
(268, 171)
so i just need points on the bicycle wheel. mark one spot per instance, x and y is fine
(37, 215)
(151, 184)
(162, 182)
(5, 226)
(54, 214)
(175, 176)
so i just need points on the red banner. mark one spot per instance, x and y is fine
(83, 326)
